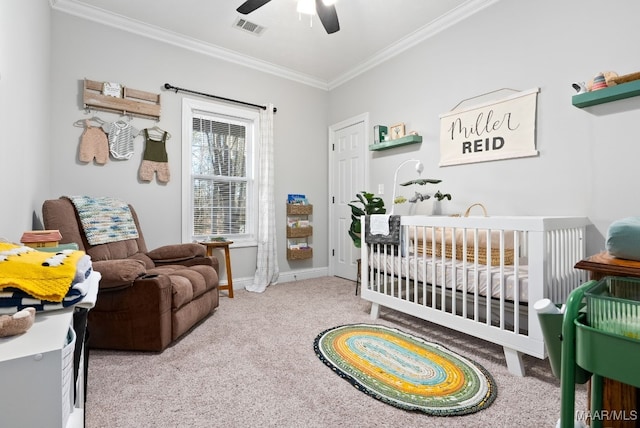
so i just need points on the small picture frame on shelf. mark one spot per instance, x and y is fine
(379, 134)
(396, 131)
(112, 89)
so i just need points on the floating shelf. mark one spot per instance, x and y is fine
(409, 139)
(606, 95)
(133, 102)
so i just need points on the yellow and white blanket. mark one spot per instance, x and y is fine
(46, 276)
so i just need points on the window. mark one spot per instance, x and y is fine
(218, 166)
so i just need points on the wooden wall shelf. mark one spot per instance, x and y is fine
(606, 95)
(133, 102)
(409, 139)
(299, 235)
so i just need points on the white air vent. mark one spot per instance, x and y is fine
(248, 26)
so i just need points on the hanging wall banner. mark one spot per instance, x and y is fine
(499, 129)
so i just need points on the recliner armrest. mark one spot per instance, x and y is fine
(176, 253)
(117, 273)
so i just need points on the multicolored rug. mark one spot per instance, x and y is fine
(406, 371)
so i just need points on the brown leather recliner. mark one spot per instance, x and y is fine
(146, 299)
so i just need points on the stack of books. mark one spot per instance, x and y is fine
(297, 199)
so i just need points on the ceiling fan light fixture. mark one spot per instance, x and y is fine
(307, 7)
(326, 13)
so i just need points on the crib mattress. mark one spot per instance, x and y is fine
(506, 281)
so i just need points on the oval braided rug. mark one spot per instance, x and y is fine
(406, 371)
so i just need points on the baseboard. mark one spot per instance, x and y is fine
(295, 275)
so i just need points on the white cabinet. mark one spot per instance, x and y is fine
(36, 371)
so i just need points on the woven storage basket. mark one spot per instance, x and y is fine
(299, 232)
(298, 209)
(483, 257)
(301, 254)
(482, 253)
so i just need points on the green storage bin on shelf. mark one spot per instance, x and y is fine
(607, 354)
(613, 306)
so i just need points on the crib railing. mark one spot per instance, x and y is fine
(477, 274)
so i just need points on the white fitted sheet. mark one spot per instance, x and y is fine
(501, 280)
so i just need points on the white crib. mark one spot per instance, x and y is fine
(444, 268)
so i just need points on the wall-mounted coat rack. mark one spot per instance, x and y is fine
(132, 101)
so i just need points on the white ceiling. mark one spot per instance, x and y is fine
(371, 31)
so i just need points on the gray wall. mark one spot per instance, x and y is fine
(82, 48)
(588, 157)
(25, 137)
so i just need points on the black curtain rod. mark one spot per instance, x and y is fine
(175, 88)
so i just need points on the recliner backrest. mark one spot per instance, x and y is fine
(60, 214)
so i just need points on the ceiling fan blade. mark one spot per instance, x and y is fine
(251, 5)
(328, 17)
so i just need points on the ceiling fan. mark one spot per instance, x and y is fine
(326, 13)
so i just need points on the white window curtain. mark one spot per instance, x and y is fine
(267, 270)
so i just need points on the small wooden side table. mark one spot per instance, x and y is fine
(211, 245)
(616, 396)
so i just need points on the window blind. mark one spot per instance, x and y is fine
(219, 177)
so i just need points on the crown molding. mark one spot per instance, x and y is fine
(123, 23)
(443, 22)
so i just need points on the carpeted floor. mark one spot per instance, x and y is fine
(252, 364)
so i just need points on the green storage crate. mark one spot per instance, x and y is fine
(613, 306)
(603, 354)
(609, 355)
